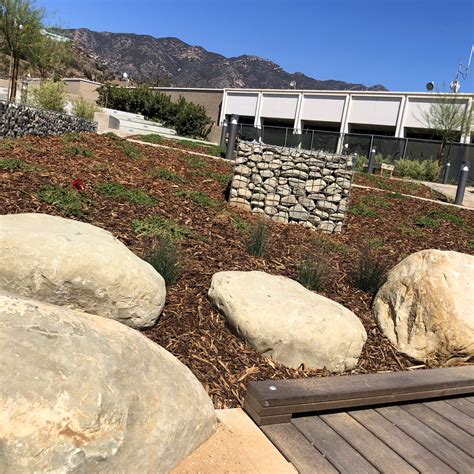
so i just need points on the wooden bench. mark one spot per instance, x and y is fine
(275, 401)
(385, 167)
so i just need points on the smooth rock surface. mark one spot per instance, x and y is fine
(70, 263)
(283, 320)
(81, 393)
(426, 307)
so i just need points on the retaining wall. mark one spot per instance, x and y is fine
(292, 185)
(19, 119)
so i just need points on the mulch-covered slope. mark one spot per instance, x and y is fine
(189, 327)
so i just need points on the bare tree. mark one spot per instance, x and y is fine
(450, 119)
(20, 28)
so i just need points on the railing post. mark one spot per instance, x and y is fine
(286, 136)
(371, 163)
(233, 127)
(223, 133)
(447, 168)
(405, 149)
(462, 183)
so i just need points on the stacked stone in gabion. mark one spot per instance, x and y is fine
(292, 185)
(19, 119)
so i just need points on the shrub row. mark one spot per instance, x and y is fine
(187, 118)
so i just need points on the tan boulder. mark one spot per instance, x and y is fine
(81, 393)
(426, 307)
(283, 320)
(70, 263)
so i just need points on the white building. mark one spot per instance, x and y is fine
(396, 114)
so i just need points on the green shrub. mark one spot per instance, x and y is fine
(426, 221)
(67, 200)
(240, 224)
(83, 109)
(447, 216)
(165, 260)
(199, 198)
(49, 95)
(159, 226)
(376, 243)
(218, 177)
(112, 136)
(186, 118)
(326, 244)
(71, 137)
(409, 230)
(371, 272)
(427, 170)
(151, 138)
(131, 151)
(195, 162)
(375, 200)
(78, 150)
(166, 174)
(432, 170)
(11, 164)
(360, 209)
(313, 274)
(119, 191)
(258, 241)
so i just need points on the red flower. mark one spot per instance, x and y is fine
(79, 185)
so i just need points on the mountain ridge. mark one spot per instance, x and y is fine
(173, 62)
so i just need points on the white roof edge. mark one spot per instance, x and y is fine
(346, 92)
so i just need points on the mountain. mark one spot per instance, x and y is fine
(170, 61)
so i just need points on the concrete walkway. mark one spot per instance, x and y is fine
(238, 446)
(449, 190)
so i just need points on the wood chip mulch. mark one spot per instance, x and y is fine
(190, 328)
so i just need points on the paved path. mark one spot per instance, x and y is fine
(449, 190)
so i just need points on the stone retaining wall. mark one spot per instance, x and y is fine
(292, 185)
(19, 119)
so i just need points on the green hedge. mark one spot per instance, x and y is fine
(187, 118)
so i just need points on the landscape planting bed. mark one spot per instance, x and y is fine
(125, 184)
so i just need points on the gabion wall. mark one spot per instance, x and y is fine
(19, 119)
(292, 185)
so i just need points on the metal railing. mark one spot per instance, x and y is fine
(389, 149)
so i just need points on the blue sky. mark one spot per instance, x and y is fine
(399, 43)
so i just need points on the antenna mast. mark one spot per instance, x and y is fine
(462, 71)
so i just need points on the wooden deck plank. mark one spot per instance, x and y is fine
(366, 443)
(420, 457)
(335, 448)
(462, 404)
(297, 449)
(451, 455)
(442, 426)
(275, 398)
(452, 414)
(295, 391)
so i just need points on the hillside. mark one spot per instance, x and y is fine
(140, 192)
(170, 61)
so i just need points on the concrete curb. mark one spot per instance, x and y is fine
(188, 152)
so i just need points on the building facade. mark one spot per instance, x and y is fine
(393, 114)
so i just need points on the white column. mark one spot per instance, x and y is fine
(400, 127)
(224, 104)
(299, 110)
(344, 121)
(466, 137)
(257, 123)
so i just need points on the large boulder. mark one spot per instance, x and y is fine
(426, 307)
(283, 320)
(81, 393)
(70, 263)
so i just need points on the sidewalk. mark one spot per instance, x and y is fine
(449, 190)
